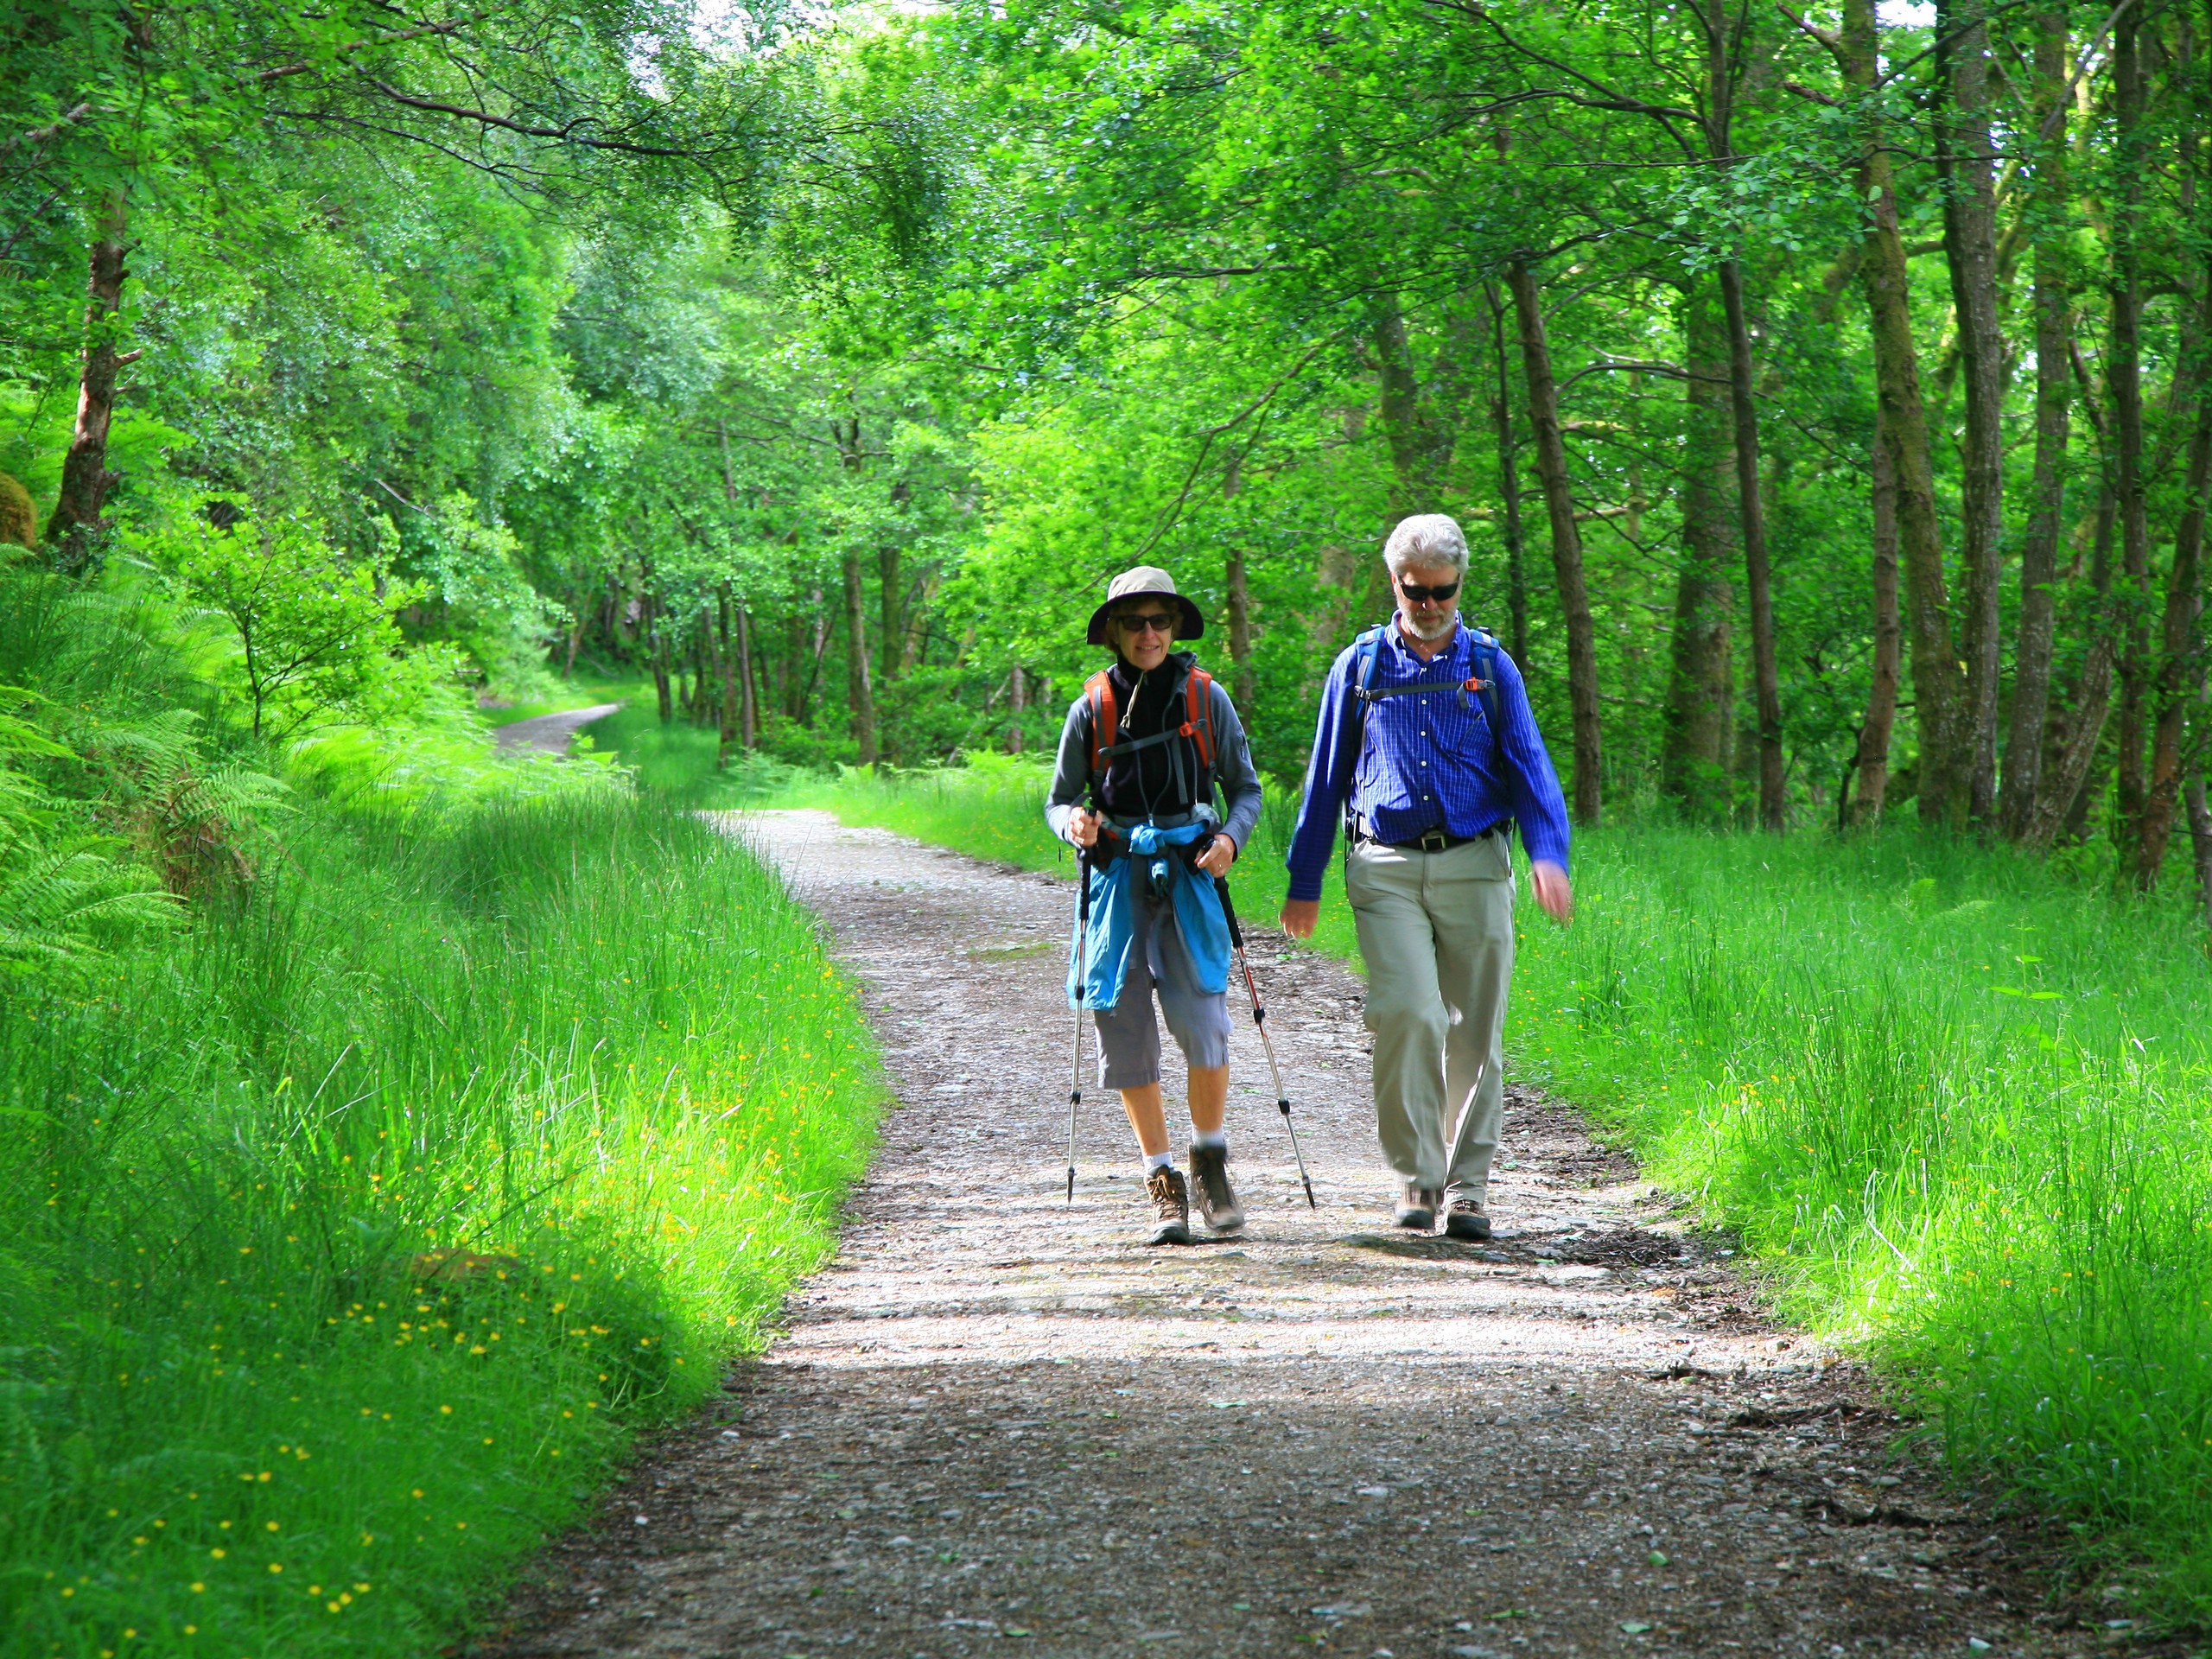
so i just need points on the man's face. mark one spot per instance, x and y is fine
(1427, 617)
(1144, 630)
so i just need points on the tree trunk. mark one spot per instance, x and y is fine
(918, 617)
(795, 679)
(73, 527)
(749, 706)
(2124, 382)
(2054, 406)
(1882, 693)
(1240, 629)
(1237, 585)
(1701, 689)
(1567, 540)
(2200, 835)
(2179, 664)
(893, 626)
(1937, 686)
(1017, 704)
(1766, 679)
(726, 674)
(663, 696)
(1970, 246)
(860, 691)
(1509, 490)
(2083, 721)
(1407, 429)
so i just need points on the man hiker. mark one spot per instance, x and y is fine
(1143, 751)
(1428, 748)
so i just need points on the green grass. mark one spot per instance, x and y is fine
(1960, 1106)
(586, 1038)
(677, 764)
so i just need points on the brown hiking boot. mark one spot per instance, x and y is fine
(1171, 1206)
(1465, 1219)
(1417, 1207)
(1216, 1197)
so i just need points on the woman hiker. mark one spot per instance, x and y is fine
(1143, 749)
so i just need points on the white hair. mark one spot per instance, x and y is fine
(1427, 538)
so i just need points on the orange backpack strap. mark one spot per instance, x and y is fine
(1197, 716)
(1099, 689)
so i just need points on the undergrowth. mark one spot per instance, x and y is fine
(354, 1228)
(1960, 1104)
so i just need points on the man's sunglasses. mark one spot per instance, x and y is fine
(1157, 621)
(1421, 595)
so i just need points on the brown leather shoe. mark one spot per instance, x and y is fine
(1465, 1219)
(1417, 1207)
(1171, 1206)
(1209, 1182)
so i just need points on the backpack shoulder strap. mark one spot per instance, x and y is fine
(1197, 716)
(1368, 649)
(1486, 667)
(1098, 689)
(1369, 644)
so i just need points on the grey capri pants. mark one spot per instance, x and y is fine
(1128, 1037)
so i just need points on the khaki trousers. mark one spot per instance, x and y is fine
(1436, 931)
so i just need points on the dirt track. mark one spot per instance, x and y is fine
(998, 1425)
(551, 732)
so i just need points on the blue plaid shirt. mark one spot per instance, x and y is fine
(1427, 761)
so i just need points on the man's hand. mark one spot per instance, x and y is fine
(1220, 854)
(1083, 828)
(1298, 917)
(1553, 891)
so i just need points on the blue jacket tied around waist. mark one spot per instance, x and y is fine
(1113, 932)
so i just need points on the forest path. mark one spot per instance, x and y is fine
(995, 1425)
(551, 733)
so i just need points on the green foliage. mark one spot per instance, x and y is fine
(507, 1033)
(313, 633)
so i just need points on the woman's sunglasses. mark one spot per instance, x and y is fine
(1157, 621)
(1421, 595)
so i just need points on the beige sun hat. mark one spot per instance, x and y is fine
(1146, 579)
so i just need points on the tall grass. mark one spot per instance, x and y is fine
(1961, 1106)
(348, 1236)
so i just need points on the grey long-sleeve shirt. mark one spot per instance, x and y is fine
(1232, 769)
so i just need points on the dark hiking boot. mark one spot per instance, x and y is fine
(1171, 1206)
(1209, 1182)
(1417, 1207)
(1465, 1219)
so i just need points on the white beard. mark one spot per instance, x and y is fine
(1430, 636)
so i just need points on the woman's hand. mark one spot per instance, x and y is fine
(1083, 828)
(1220, 854)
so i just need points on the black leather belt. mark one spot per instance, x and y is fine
(1434, 841)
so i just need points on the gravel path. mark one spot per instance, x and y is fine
(551, 732)
(998, 1425)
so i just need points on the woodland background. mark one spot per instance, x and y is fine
(1826, 393)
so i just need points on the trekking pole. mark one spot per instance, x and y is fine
(1259, 1019)
(1082, 977)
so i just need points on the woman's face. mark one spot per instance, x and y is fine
(1143, 631)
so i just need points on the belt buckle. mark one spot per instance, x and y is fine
(1434, 841)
